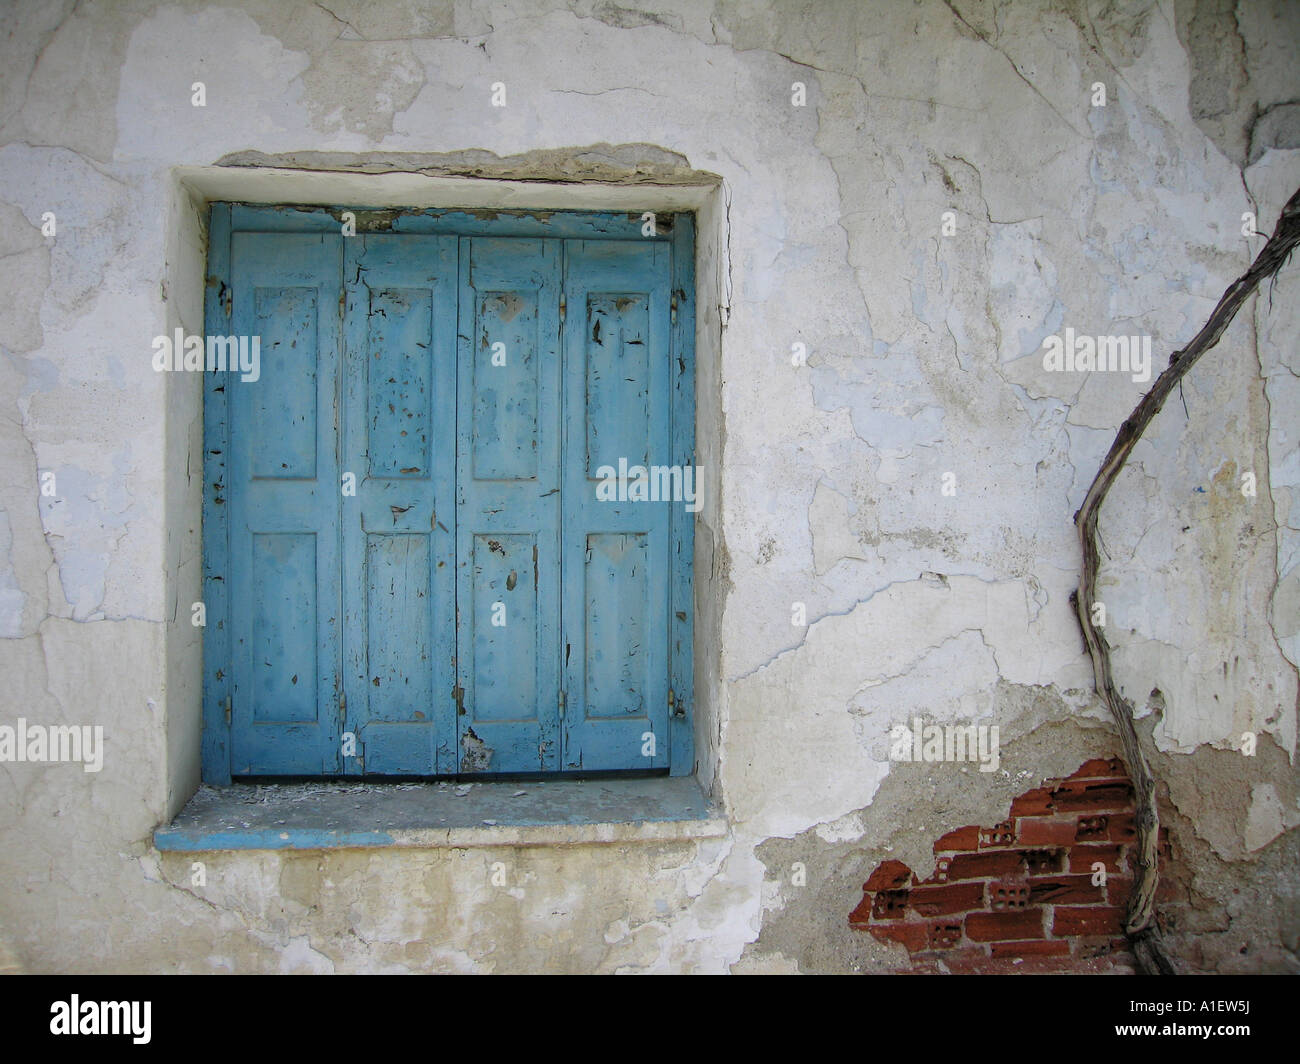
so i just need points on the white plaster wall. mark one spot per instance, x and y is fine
(924, 358)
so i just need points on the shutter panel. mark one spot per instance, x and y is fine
(283, 495)
(508, 506)
(399, 430)
(615, 554)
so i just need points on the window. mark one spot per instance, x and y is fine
(448, 513)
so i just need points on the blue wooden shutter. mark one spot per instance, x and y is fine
(399, 430)
(283, 496)
(615, 555)
(508, 506)
(474, 607)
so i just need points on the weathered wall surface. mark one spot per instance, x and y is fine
(924, 359)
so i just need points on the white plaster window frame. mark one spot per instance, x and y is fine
(191, 190)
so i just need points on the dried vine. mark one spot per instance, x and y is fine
(1141, 927)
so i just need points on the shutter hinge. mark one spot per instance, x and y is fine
(458, 693)
(227, 711)
(229, 301)
(563, 702)
(676, 706)
(564, 306)
(672, 305)
(343, 710)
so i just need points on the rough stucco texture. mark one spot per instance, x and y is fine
(924, 359)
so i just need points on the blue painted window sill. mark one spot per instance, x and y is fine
(355, 814)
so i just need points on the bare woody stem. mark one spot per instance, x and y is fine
(1141, 924)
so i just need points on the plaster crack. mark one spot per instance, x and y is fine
(605, 92)
(344, 22)
(1019, 73)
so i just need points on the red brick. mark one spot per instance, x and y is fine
(1092, 795)
(1065, 890)
(1043, 862)
(1031, 948)
(889, 905)
(1052, 966)
(1037, 802)
(999, 927)
(889, 875)
(1093, 920)
(960, 840)
(984, 865)
(1092, 829)
(1009, 894)
(1110, 767)
(1121, 828)
(1082, 858)
(944, 934)
(954, 898)
(1117, 889)
(998, 836)
(970, 960)
(914, 936)
(1044, 831)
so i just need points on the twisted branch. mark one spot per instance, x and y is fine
(1141, 926)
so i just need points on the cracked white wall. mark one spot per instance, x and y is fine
(924, 359)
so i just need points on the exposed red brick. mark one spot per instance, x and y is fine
(1092, 795)
(1121, 828)
(1043, 862)
(1065, 890)
(950, 898)
(1098, 766)
(998, 836)
(1094, 920)
(984, 865)
(1037, 802)
(1039, 866)
(1044, 831)
(1118, 889)
(959, 840)
(915, 936)
(970, 960)
(944, 934)
(999, 927)
(1082, 858)
(889, 905)
(1009, 894)
(890, 875)
(1030, 948)
(1092, 829)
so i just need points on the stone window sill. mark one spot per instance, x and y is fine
(356, 814)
